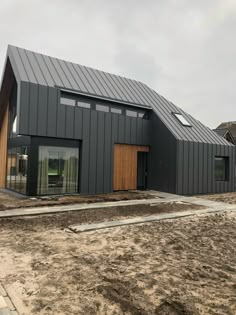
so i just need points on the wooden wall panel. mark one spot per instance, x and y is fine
(3, 149)
(125, 165)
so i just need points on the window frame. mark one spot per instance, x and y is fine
(225, 178)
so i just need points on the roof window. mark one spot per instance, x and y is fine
(182, 120)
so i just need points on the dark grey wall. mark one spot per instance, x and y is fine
(196, 165)
(42, 115)
(162, 157)
(182, 167)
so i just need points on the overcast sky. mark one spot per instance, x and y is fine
(184, 49)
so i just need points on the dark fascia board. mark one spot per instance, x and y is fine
(102, 98)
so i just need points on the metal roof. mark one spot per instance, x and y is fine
(221, 132)
(48, 71)
(230, 125)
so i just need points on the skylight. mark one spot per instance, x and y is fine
(182, 120)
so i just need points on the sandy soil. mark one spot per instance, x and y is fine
(226, 197)
(11, 201)
(185, 266)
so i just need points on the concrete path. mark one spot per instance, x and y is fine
(140, 220)
(6, 305)
(158, 198)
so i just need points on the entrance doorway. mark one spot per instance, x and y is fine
(142, 171)
(126, 166)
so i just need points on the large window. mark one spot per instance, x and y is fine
(58, 170)
(221, 168)
(17, 165)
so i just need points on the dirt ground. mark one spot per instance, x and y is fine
(226, 197)
(185, 266)
(11, 201)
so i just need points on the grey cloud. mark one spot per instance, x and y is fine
(184, 49)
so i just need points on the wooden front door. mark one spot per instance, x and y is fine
(125, 165)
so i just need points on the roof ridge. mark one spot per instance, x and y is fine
(78, 64)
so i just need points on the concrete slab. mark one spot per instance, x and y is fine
(74, 207)
(139, 220)
(9, 303)
(3, 303)
(5, 311)
(158, 199)
(2, 291)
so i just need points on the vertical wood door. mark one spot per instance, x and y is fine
(125, 165)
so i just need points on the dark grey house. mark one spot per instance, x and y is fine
(66, 128)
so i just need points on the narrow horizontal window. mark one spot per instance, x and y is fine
(182, 120)
(67, 101)
(83, 104)
(116, 110)
(131, 113)
(102, 108)
(140, 115)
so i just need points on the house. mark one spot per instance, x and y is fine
(230, 126)
(67, 128)
(226, 133)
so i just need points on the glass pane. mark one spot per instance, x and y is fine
(181, 118)
(116, 110)
(9, 169)
(13, 168)
(58, 170)
(18, 174)
(131, 113)
(23, 166)
(83, 105)
(102, 108)
(140, 115)
(220, 169)
(67, 101)
(14, 125)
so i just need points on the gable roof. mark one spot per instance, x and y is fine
(225, 133)
(230, 125)
(40, 69)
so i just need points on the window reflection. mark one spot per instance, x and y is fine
(58, 170)
(17, 165)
